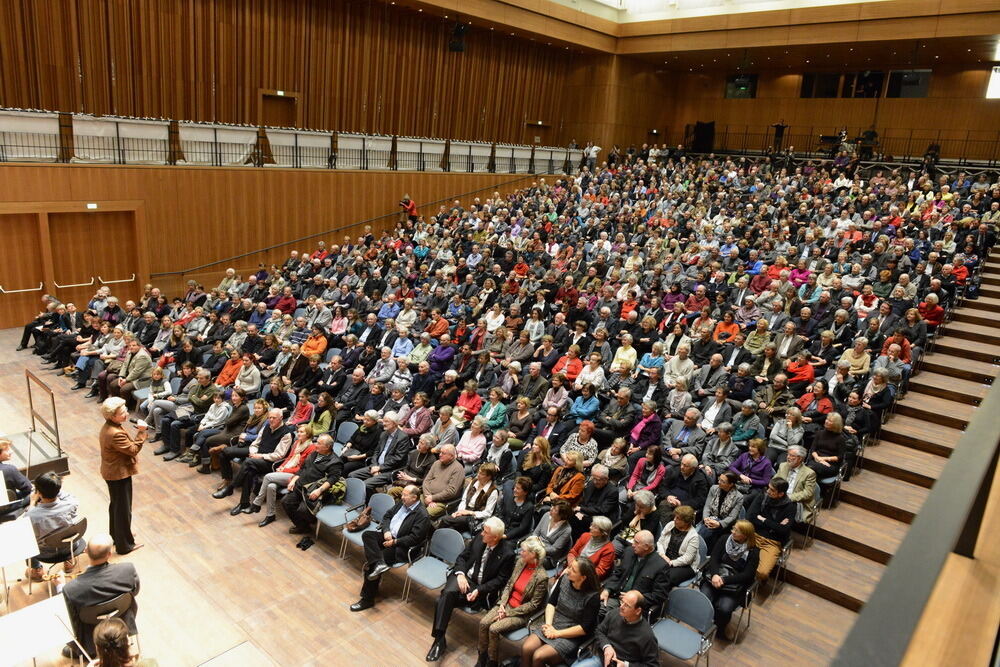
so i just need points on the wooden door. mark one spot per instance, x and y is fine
(22, 269)
(88, 248)
(278, 111)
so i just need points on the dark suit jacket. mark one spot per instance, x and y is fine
(398, 449)
(100, 583)
(559, 431)
(743, 356)
(496, 572)
(649, 581)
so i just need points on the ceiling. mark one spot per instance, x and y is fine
(897, 54)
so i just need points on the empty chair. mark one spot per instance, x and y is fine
(335, 516)
(380, 503)
(688, 626)
(431, 571)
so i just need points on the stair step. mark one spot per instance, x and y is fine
(905, 463)
(936, 410)
(834, 574)
(983, 332)
(951, 388)
(918, 434)
(884, 495)
(960, 367)
(991, 279)
(982, 318)
(789, 614)
(860, 531)
(987, 301)
(970, 349)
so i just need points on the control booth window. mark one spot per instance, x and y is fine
(820, 84)
(908, 83)
(863, 84)
(741, 87)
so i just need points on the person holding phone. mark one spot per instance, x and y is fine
(119, 463)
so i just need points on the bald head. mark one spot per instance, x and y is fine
(99, 549)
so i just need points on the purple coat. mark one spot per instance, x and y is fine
(759, 472)
(440, 359)
(650, 433)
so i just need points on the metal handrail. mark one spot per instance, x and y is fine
(74, 285)
(41, 286)
(949, 522)
(114, 282)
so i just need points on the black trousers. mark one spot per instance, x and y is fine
(30, 330)
(248, 474)
(725, 603)
(678, 575)
(226, 460)
(450, 598)
(120, 514)
(297, 510)
(375, 553)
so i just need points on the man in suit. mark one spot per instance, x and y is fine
(552, 428)
(478, 576)
(734, 354)
(788, 342)
(390, 452)
(119, 463)
(641, 569)
(352, 396)
(101, 582)
(684, 436)
(136, 373)
(777, 317)
(651, 388)
(321, 470)
(709, 378)
(801, 482)
(404, 526)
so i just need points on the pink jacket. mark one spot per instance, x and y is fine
(637, 471)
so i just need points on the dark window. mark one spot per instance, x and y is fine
(908, 83)
(741, 86)
(820, 85)
(863, 84)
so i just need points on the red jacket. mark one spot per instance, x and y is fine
(603, 559)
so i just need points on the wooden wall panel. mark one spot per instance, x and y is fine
(954, 110)
(21, 269)
(193, 215)
(359, 66)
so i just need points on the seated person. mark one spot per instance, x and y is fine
(625, 638)
(54, 510)
(271, 445)
(641, 569)
(101, 582)
(678, 546)
(566, 483)
(357, 450)
(309, 487)
(389, 454)
(570, 617)
(684, 437)
(404, 526)
(482, 569)
(282, 474)
(730, 572)
(722, 508)
(771, 514)
(440, 478)
(523, 595)
(15, 484)
(685, 484)
(641, 515)
(111, 641)
(554, 531)
(477, 502)
(801, 482)
(600, 498)
(596, 545)
(516, 509)
(647, 474)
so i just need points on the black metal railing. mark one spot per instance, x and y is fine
(950, 521)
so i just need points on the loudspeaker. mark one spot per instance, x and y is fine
(457, 42)
(704, 137)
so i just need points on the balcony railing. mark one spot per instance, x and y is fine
(42, 136)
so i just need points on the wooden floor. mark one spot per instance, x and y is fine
(218, 590)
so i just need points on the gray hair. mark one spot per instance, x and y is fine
(602, 523)
(392, 416)
(111, 406)
(496, 526)
(644, 497)
(798, 450)
(725, 426)
(599, 469)
(534, 544)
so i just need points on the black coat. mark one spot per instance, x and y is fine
(496, 571)
(650, 579)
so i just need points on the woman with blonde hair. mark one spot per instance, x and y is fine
(523, 595)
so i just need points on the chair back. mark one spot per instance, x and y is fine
(702, 551)
(354, 494)
(380, 504)
(94, 614)
(57, 540)
(331, 353)
(175, 385)
(447, 545)
(345, 432)
(690, 606)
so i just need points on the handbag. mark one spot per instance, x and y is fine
(361, 521)
(728, 571)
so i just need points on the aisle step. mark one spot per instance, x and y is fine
(970, 349)
(984, 332)
(969, 314)
(884, 495)
(960, 367)
(905, 463)
(989, 300)
(834, 574)
(935, 410)
(860, 531)
(918, 434)
(951, 388)
(991, 278)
